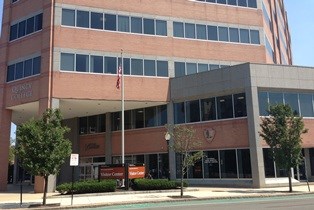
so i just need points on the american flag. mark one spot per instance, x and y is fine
(119, 77)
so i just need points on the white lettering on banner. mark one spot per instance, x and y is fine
(22, 91)
(113, 174)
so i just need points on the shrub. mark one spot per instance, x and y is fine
(88, 186)
(155, 184)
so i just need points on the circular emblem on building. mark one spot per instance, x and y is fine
(209, 134)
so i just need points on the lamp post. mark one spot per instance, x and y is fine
(167, 138)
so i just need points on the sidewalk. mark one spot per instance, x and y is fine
(11, 199)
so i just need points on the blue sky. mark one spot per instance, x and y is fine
(301, 18)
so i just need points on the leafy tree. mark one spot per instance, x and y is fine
(282, 132)
(41, 147)
(184, 143)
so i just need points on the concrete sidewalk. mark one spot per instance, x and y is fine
(11, 199)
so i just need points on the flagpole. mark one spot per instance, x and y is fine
(122, 109)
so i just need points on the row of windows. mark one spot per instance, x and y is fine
(267, 17)
(230, 106)
(111, 22)
(26, 27)
(219, 164)
(240, 3)
(215, 33)
(24, 69)
(301, 103)
(182, 68)
(109, 65)
(140, 118)
(92, 124)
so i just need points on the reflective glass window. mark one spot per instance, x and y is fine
(162, 115)
(201, 31)
(82, 63)
(228, 165)
(232, 2)
(136, 25)
(242, 3)
(178, 30)
(13, 32)
(28, 67)
(292, 100)
(150, 117)
(30, 25)
(275, 98)
(214, 66)
(244, 36)
(162, 68)
(110, 22)
(137, 67)
(212, 33)
(149, 26)
(252, 3)
(96, 64)
(67, 61)
(224, 107)
(161, 27)
(254, 36)
(37, 65)
(234, 34)
(82, 19)
(19, 70)
(22, 28)
(244, 163)
(179, 69)
(179, 113)
(11, 73)
(239, 105)
(192, 111)
(208, 109)
(211, 164)
(263, 103)
(221, 1)
(223, 34)
(139, 118)
(38, 22)
(68, 17)
(306, 105)
(123, 23)
(191, 68)
(189, 30)
(149, 68)
(111, 65)
(202, 67)
(97, 20)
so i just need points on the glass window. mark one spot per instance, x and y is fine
(242, 3)
(268, 163)
(111, 65)
(82, 19)
(275, 98)
(30, 25)
(139, 118)
(110, 22)
(228, 165)
(149, 68)
(224, 107)
(252, 3)
(37, 65)
(178, 30)
(213, 66)
(96, 64)
(191, 68)
(190, 30)
(68, 17)
(263, 103)
(97, 20)
(234, 34)
(196, 170)
(150, 117)
(19, 70)
(92, 124)
(83, 125)
(244, 36)
(244, 163)
(115, 120)
(212, 33)
(214, 1)
(192, 111)
(161, 27)
(202, 67)
(149, 26)
(179, 113)
(232, 2)
(162, 115)
(38, 22)
(211, 164)
(123, 23)
(128, 119)
(22, 28)
(28, 67)
(239, 105)
(221, 1)
(67, 61)
(179, 69)
(254, 36)
(137, 66)
(82, 63)
(11, 73)
(201, 31)
(306, 105)
(126, 66)
(208, 109)
(162, 68)
(223, 34)
(136, 25)
(292, 100)
(13, 32)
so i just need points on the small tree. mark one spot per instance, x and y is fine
(184, 142)
(282, 132)
(41, 147)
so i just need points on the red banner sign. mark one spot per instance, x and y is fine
(117, 172)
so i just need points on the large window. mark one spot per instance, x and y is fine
(179, 69)
(111, 65)
(149, 26)
(239, 105)
(192, 111)
(149, 68)
(96, 64)
(82, 63)
(208, 107)
(211, 164)
(68, 17)
(179, 113)
(24, 69)
(97, 20)
(178, 30)
(228, 164)
(82, 19)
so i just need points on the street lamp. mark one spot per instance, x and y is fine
(167, 138)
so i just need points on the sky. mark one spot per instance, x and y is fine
(301, 25)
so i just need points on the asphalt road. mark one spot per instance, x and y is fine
(304, 202)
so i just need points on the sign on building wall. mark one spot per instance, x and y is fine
(117, 171)
(22, 91)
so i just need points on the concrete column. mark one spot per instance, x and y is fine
(256, 151)
(307, 160)
(108, 140)
(5, 129)
(172, 156)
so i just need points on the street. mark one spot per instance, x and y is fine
(304, 202)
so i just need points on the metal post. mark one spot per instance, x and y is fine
(21, 187)
(72, 186)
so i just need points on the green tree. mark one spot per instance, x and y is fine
(41, 146)
(184, 143)
(11, 151)
(282, 132)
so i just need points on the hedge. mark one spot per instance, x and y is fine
(88, 186)
(156, 184)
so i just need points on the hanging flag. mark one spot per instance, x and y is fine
(119, 77)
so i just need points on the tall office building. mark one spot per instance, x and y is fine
(184, 61)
